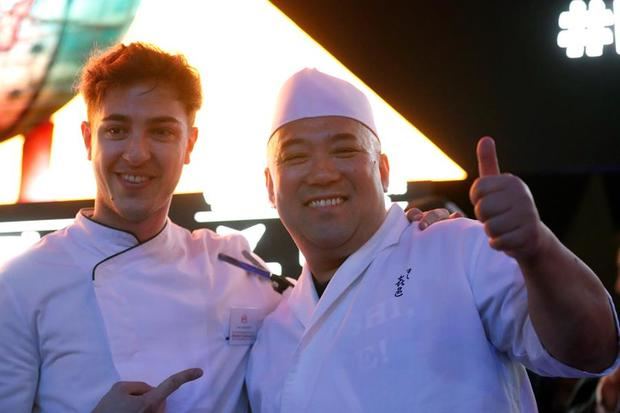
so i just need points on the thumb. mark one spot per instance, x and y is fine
(171, 384)
(487, 157)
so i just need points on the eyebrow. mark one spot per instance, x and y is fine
(291, 142)
(115, 117)
(164, 119)
(336, 136)
(344, 136)
(158, 119)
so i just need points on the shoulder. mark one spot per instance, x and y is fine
(454, 225)
(51, 250)
(216, 242)
(453, 244)
(464, 243)
(247, 286)
(44, 270)
(450, 231)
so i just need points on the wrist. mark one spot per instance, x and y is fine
(539, 248)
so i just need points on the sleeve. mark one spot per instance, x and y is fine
(500, 295)
(19, 360)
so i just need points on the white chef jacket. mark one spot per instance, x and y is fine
(432, 321)
(90, 305)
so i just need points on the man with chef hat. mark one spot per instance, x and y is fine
(386, 318)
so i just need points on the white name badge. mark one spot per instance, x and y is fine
(243, 324)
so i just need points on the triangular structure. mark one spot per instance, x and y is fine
(244, 50)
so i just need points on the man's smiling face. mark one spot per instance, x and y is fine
(326, 177)
(138, 139)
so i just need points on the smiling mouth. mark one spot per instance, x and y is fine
(323, 203)
(134, 179)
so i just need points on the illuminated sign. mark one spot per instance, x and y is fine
(589, 27)
(245, 50)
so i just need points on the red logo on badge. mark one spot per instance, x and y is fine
(244, 318)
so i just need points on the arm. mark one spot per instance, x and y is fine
(19, 361)
(567, 303)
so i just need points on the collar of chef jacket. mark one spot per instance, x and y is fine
(304, 300)
(103, 241)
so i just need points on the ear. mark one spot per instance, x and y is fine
(269, 184)
(191, 141)
(384, 170)
(87, 136)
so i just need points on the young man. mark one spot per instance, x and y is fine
(387, 318)
(124, 294)
(124, 297)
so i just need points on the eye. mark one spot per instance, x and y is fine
(293, 158)
(163, 134)
(345, 151)
(115, 132)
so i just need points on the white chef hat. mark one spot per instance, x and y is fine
(310, 93)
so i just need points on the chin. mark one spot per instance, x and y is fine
(135, 213)
(325, 241)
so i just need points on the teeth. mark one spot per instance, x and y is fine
(135, 179)
(320, 203)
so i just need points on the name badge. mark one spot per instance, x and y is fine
(243, 324)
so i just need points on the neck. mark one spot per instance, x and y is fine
(319, 286)
(322, 268)
(143, 229)
(324, 260)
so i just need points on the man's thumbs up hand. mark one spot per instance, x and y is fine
(487, 157)
(504, 204)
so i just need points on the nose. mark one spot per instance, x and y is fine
(323, 170)
(137, 150)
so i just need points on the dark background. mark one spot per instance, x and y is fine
(461, 70)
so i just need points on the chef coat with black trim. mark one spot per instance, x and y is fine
(90, 305)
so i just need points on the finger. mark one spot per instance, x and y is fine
(514, 243)
(504, 188)
(500, 225)
(492, 206)
(171, 384)
(430, 217)
(487, 157)
(483, 186)
(133, 388)
(414, 214)
(456, 214)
